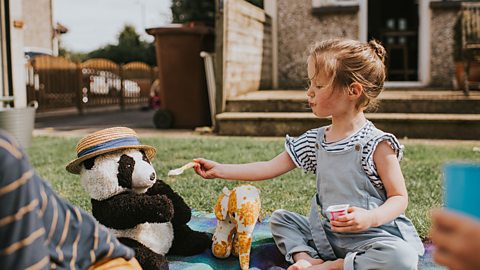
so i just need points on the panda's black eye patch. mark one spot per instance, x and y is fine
(126, 165)
(144, 157)
(88, 163)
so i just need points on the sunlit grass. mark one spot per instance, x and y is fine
(421, 167)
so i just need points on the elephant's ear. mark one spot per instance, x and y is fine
(221, 207)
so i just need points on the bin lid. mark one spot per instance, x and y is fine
(180, 29)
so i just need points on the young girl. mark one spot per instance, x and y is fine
(355, 164)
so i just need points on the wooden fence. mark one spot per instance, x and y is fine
(243, 50)
(247, 48)
(56, 83)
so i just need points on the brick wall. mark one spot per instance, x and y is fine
(298, 29)
(442, 68)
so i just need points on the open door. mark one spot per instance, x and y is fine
(396, 24)
(3, 41)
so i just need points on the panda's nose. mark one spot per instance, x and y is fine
(152, 177)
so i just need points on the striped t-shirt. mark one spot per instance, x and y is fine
(38, 229)
(303, 152)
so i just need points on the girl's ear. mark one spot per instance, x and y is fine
(355, 90)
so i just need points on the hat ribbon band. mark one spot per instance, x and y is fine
(126, 141)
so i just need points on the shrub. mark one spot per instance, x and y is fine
(184, 11)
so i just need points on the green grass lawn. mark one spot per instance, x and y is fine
(421, 167)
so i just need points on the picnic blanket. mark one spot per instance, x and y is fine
(264, 254)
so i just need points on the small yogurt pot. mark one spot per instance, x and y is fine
(337, 210)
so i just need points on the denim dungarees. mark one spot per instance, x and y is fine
(342, 180)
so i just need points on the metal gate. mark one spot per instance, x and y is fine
(53, 82)
(57, 83)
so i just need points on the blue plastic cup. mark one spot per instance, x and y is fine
(462, 188)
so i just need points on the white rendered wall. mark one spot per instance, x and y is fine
(18, 59)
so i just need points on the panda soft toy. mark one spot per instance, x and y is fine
(142, 211)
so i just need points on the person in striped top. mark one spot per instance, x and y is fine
(39, 230)
(356, 166)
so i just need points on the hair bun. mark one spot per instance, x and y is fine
(378, 49)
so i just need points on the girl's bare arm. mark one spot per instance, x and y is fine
(389, 170)
(249, 171)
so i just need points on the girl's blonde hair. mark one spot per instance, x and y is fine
(348, 61)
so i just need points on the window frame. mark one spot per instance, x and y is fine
(335, 6)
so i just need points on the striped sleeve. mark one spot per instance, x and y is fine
(302, 150)
(40, 230)
(21, 228)
(75, 238)
(367, 159)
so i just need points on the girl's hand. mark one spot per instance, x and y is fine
(357, 220)
(207, 169)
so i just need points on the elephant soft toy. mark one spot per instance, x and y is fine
(237, 212)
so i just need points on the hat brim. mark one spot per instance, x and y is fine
(75, 165)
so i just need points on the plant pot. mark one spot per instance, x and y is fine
(474, 75)
(19, 122)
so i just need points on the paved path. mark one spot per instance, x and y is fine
(72, 124)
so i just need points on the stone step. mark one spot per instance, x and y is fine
(432, 126)
(390, 101)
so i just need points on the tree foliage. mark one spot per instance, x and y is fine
(70, 55)
(184, 11)
(193, 10)
(129, 48)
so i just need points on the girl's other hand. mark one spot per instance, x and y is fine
(357, 220)
(207, 169)
(457, 240)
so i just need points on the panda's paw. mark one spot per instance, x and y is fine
(188, 242)
(164, 207)
(148, 259)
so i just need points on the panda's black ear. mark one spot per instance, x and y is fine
(144, 156)
(88, 163)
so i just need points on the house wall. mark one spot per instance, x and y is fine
(38, 30)
(16, 53)
(298, 29)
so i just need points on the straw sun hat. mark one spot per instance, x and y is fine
(106, 141)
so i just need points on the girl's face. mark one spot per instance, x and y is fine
(322, 98)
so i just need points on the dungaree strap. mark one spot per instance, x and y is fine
(318, 233)
(375, 132)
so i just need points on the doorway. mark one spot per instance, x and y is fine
(396, 24)
(2, 50)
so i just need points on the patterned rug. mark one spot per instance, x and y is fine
(264, 254)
